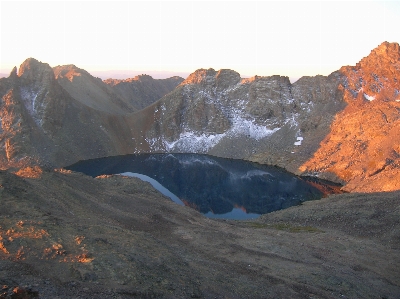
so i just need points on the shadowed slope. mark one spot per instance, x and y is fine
(142, 91)
(91, 91)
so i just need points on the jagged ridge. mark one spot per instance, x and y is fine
(264, 119)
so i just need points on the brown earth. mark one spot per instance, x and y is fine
(66, 235)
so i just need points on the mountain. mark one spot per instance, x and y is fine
(261, 118)
(142, 91)
(54, 117)
(123, 74)
(91, 91)
(41, 123)
(343, 127)
(363, 145)
(114, 96)
(67, 235)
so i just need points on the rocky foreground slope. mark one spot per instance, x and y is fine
(66, 235)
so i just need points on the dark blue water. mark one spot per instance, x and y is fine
(216, 187)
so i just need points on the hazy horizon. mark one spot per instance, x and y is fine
(126, 74)
(294, 39)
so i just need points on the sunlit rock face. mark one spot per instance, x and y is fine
(362, 148)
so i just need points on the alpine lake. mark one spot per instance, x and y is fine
(217, 187)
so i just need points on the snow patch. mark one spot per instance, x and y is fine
(299, 140)
(192, 142)
(369, 98)
(29, 98)
(249, 128)
(242, 124)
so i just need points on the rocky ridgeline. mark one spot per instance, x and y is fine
(343, 126)
(91, 91)
(142, 91)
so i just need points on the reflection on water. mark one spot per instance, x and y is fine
(156, 185)
(217, 187)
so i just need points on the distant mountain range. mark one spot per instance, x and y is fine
(343, 127)
(123, 74)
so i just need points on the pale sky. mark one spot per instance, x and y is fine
(290, 38)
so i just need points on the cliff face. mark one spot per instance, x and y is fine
(143, 90)
(363, 146)
(265, 119)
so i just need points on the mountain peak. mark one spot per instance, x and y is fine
(210, 76)
(139, 78)
(387, 48)
(376, 76)
(198, 76)
(385, 54)
(143, 77)
(32, 70)
(13, 73)
(69, 71)
(31, 66)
